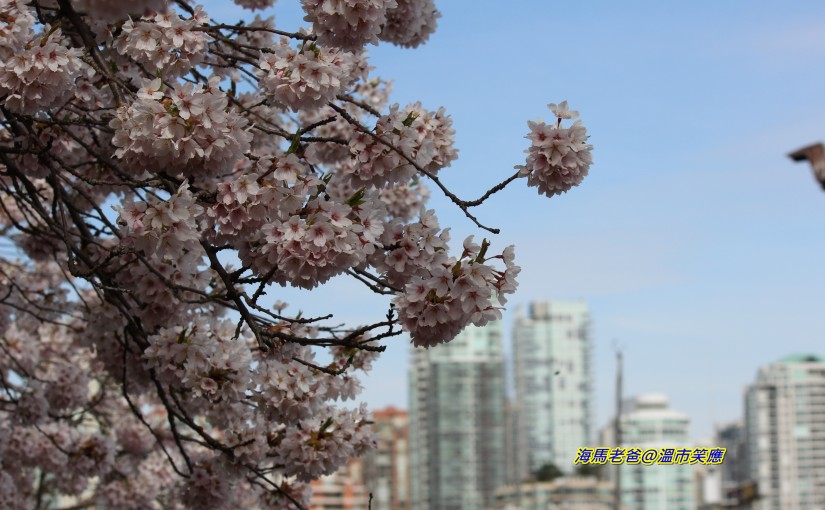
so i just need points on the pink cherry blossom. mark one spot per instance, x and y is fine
(164, 175)
(558, 157)
(345, 24)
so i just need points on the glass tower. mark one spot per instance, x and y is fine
(647, 421)
(553, 382)
(457, 400)
(785, 434)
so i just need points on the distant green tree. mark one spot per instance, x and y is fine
(547, 473)
(589, 470)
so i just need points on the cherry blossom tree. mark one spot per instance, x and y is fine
(162, 176)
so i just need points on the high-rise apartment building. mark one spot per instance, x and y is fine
(387, 468)
(553, 382)
(648, 422)
(785, 434)
(457, 400)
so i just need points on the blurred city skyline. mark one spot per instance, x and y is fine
(695, 240)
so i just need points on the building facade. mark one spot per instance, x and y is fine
(341, 490)
(785, 434)
(553, 383)
(567, 492)
(725, 486)
(457, 400)
(648, 422)
(386, 469)
(733, 471)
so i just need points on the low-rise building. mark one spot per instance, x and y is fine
(567, 492)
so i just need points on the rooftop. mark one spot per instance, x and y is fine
(803, 358)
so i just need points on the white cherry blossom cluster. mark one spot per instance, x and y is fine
(37, 248)
(140, 484)
(326, 240)
(411, 23)
(435, 307)
(17, 280)
(165, 42)
(289, 491)
(425, 137)
(371, 91)
(405, 200)
(17, 334)
(38, 438)
(55, 449)
(157, 287)
(188, 129)
(13, 495)
(331, 152)
(413, 249)
(260, 111)
(243, 206)
(67, 387)
(289, 392)
(307, 77)
(293, 392)
(16, 28)
(203, 357)
(164, 227)
(32, 406)
(321, 445)
(41, 74)
(435, 136)
(210, 485)
(92, 455)
(275, 188)
(374, 91)
(157, 283)
(354, 357)
(145, 358)
(100, 323)
(133, 438)
(558, 157)
(263, 38)
(347, 24)
(305, 242)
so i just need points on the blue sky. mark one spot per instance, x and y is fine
(696, 241)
